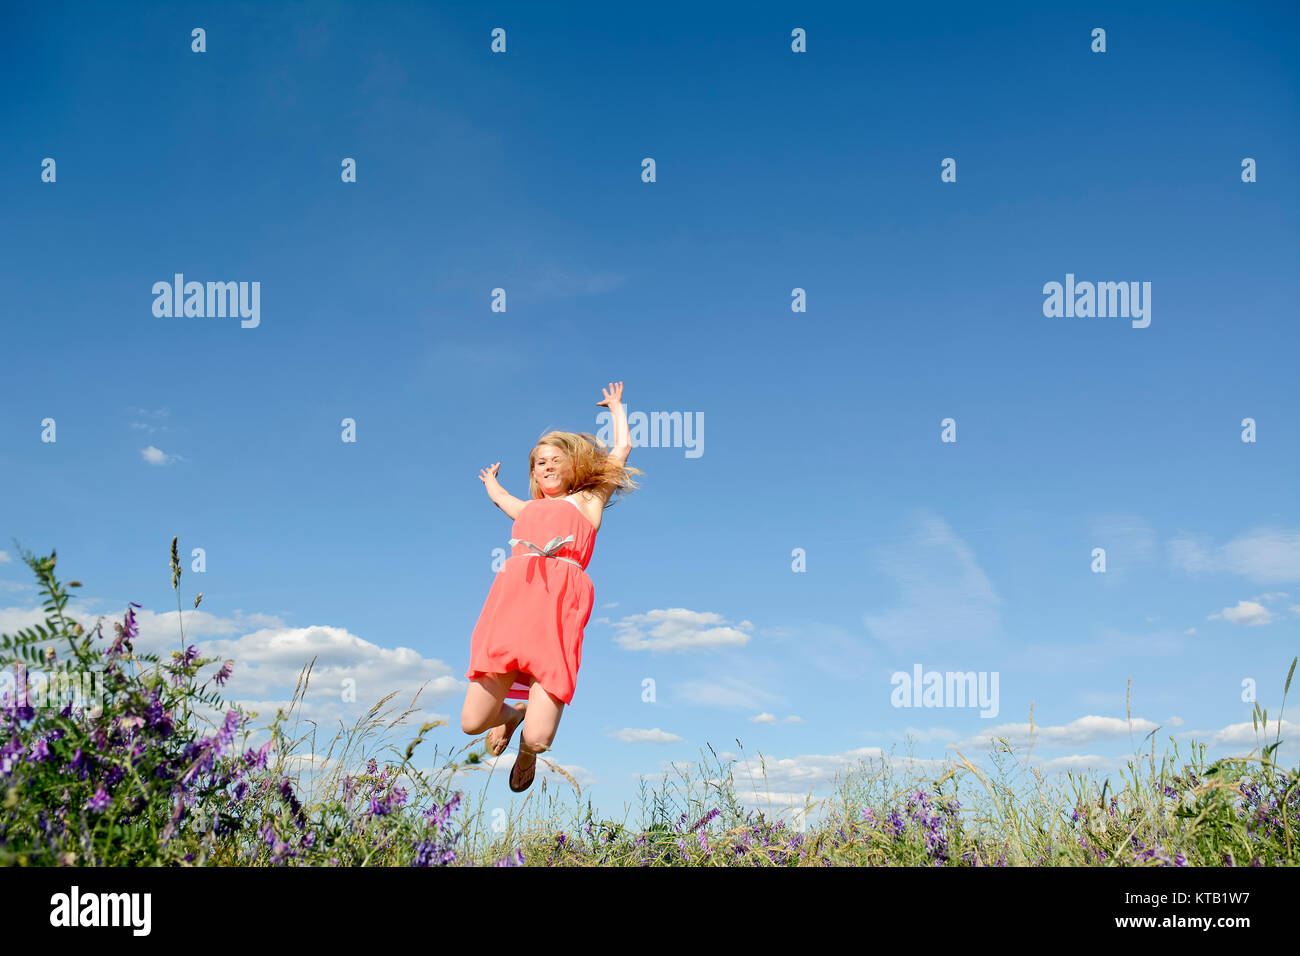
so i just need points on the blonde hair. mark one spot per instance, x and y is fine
(593, 469)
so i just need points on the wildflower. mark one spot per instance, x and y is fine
(704, 820)
(226, 735)
(279, 849)
(428, 853)
(512, 859)
(40, 751)
(125, 634)
(159, 719)
(438, 817)
(896, 822)
(286, 791)
(223, 675)
(128, 724)
(256, 759)
(99, 802)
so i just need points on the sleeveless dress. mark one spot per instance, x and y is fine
(540, 602)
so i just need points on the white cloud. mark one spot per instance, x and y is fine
(1245, 735)
(1246, 612)
(1266, 555)
(946, 599)
(156, 456)
(677, 629)
(631, 735)
(4, 557)
(766, 718)
(1077, 732)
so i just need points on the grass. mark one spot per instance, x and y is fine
(144, 777)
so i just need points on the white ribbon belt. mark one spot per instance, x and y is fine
(547, 552)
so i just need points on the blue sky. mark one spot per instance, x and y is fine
(775, 171)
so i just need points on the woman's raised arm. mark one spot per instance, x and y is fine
(500, 497)
(613, 400)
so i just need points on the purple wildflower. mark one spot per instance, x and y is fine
(704, 820)
(99, 802)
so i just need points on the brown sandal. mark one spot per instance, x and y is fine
(521, 780)
(498, 748)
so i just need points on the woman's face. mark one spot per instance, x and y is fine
(552, 471)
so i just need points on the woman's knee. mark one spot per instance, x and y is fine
(477, 714)
(472, 720)
(537, 741)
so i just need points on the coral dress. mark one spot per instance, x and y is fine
(540, 602)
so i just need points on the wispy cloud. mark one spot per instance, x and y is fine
(631, 735)
(555, 283)
(1266, 555)
(149, 420)
(730, 693)
(1110, 645)
(945, 599)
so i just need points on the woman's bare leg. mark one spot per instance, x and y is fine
(485, 705)
(544, 712)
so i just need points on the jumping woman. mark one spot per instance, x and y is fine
(527, 644)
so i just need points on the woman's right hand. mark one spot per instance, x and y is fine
(488, 475)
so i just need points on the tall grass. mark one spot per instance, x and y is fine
(144, 777)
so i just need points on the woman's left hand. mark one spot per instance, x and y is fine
(614, 393)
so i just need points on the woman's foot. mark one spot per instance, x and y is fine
(521, 774)
(498, 741)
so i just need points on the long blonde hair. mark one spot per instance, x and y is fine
(593, 469)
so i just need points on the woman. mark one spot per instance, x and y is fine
(527, 644)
